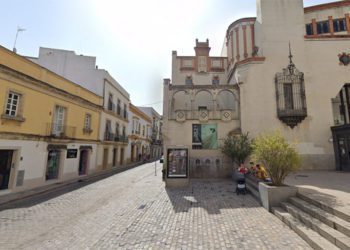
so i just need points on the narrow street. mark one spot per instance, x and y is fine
(133, 210)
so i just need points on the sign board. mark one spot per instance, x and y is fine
(72, 153)
(177, 163)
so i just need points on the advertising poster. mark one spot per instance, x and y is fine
(204, 136)
(177, 163)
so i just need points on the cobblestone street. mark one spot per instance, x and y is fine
(133, 210)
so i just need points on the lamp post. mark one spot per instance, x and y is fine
(19, 29)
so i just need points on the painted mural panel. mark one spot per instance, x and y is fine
(204, 136)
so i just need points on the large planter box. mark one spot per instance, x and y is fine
(272, 196)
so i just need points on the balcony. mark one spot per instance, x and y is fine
(109, 136)
(121, 138)
(60, 131)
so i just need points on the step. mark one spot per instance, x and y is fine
(335, 237)
(340, 212)
(315, 240)
(318, 213)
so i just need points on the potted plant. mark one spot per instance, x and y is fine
(238, 148)
(280, 159)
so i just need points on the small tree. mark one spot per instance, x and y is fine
(279, 157)
(237, 147)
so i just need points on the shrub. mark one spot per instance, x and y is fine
(237, 147)
(277, 155)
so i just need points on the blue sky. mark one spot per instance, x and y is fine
(132, 39)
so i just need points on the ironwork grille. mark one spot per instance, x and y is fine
(290, 95)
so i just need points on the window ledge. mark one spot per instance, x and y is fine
(13, 118)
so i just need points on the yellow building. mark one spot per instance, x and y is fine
(48, 125)
(140, 133)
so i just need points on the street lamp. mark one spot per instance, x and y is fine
(19, 29)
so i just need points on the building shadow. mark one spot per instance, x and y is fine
(212, 195)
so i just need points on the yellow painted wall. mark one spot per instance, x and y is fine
(23, 65)
(38, 111)
(38, 104)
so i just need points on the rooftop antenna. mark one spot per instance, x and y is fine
(19, 29)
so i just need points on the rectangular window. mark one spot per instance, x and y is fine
(59, 120)
(339, 25)
(118, 107)
(125, 111)
(323, 27)
(288, 96)
(216, 81)
(124, 134)
(143, 130)
(189, 80)
(12, 105)
(87, 123)
(117, 129)
(110, 102)
(309, 30)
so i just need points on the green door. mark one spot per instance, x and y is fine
(53, 163)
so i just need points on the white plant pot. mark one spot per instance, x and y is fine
(272, 196)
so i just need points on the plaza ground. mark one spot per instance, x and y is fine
(133, 210)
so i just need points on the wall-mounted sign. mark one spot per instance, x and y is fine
(72, 153)
(204, 136)
(344, 59)
(177, 159)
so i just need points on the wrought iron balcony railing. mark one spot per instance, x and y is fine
(58, 130)
(109, 136)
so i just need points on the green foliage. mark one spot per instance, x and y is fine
(279, 157)
(237, 147)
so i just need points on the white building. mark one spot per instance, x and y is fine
(302, 91)
(156, 131)
(114, 118)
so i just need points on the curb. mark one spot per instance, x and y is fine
(26, 194)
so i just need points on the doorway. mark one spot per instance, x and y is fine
(53, 164)
(105, 158)
(83, 161)
(5, 168)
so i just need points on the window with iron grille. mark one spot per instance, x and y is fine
(87, 122)
(12, 105)
(290, 95)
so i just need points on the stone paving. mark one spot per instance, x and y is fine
(133, 210)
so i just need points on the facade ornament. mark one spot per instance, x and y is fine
(344, 59)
